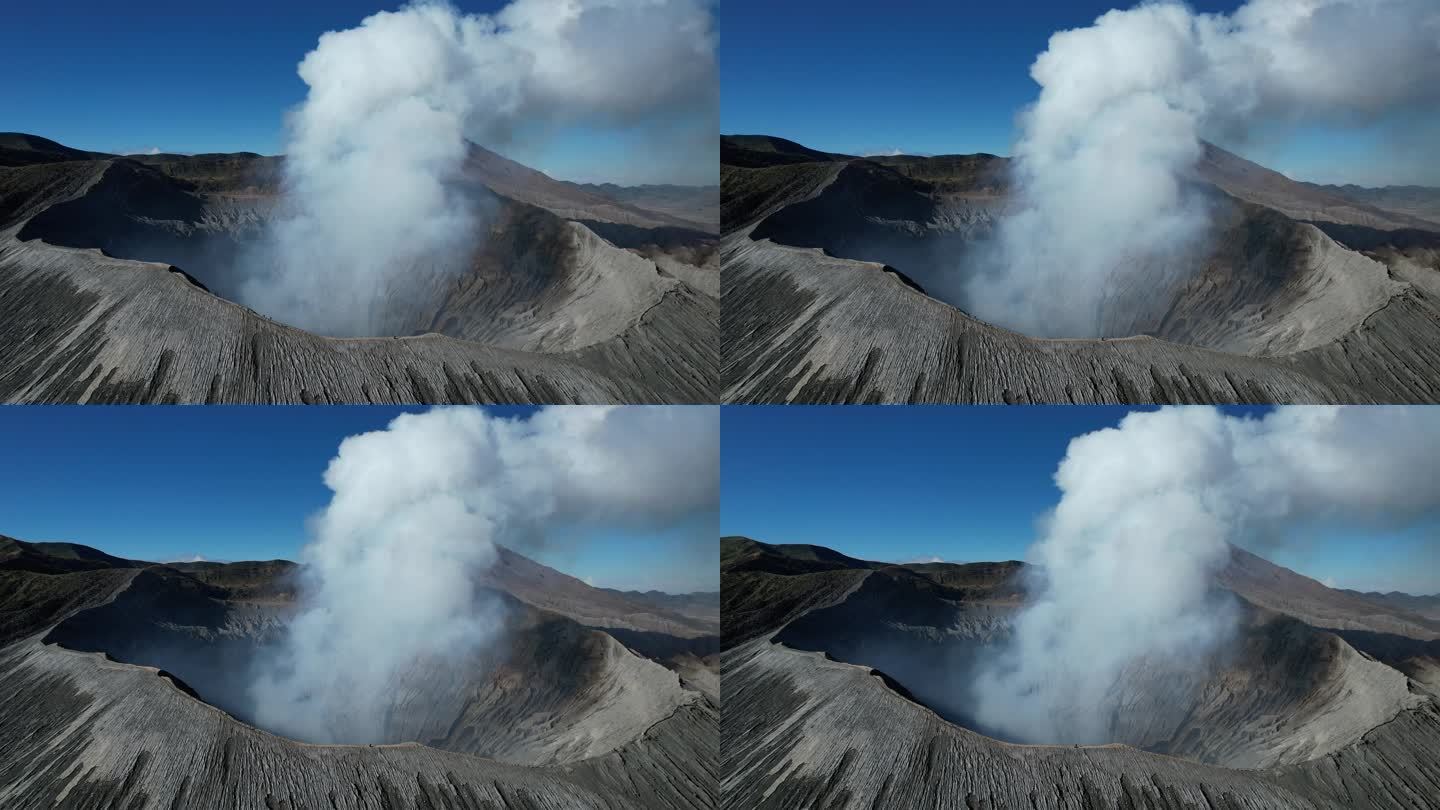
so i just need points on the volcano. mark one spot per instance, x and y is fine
(125, 687)
(845, 686)
(835, 267)
(119, 278)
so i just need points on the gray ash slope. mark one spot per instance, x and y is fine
(837, 670)
(116, 285)
(1312, 294)
(114, 670)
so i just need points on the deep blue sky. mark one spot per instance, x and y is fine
(936, 77)
(959, 484)
(209, 77)
(925, 77)
(181, 76)
(238, 483)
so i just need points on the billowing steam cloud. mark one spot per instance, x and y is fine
(416, 513)
(1104, 219)
(1124, 594)
(375, 217)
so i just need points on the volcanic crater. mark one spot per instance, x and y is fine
(570, 295)
(120, 666)
(1324, 698)
(1302, 293)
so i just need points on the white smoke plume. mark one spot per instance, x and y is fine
(417, 511)
(375, 218)
(1103, 217)
(1146, 518)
